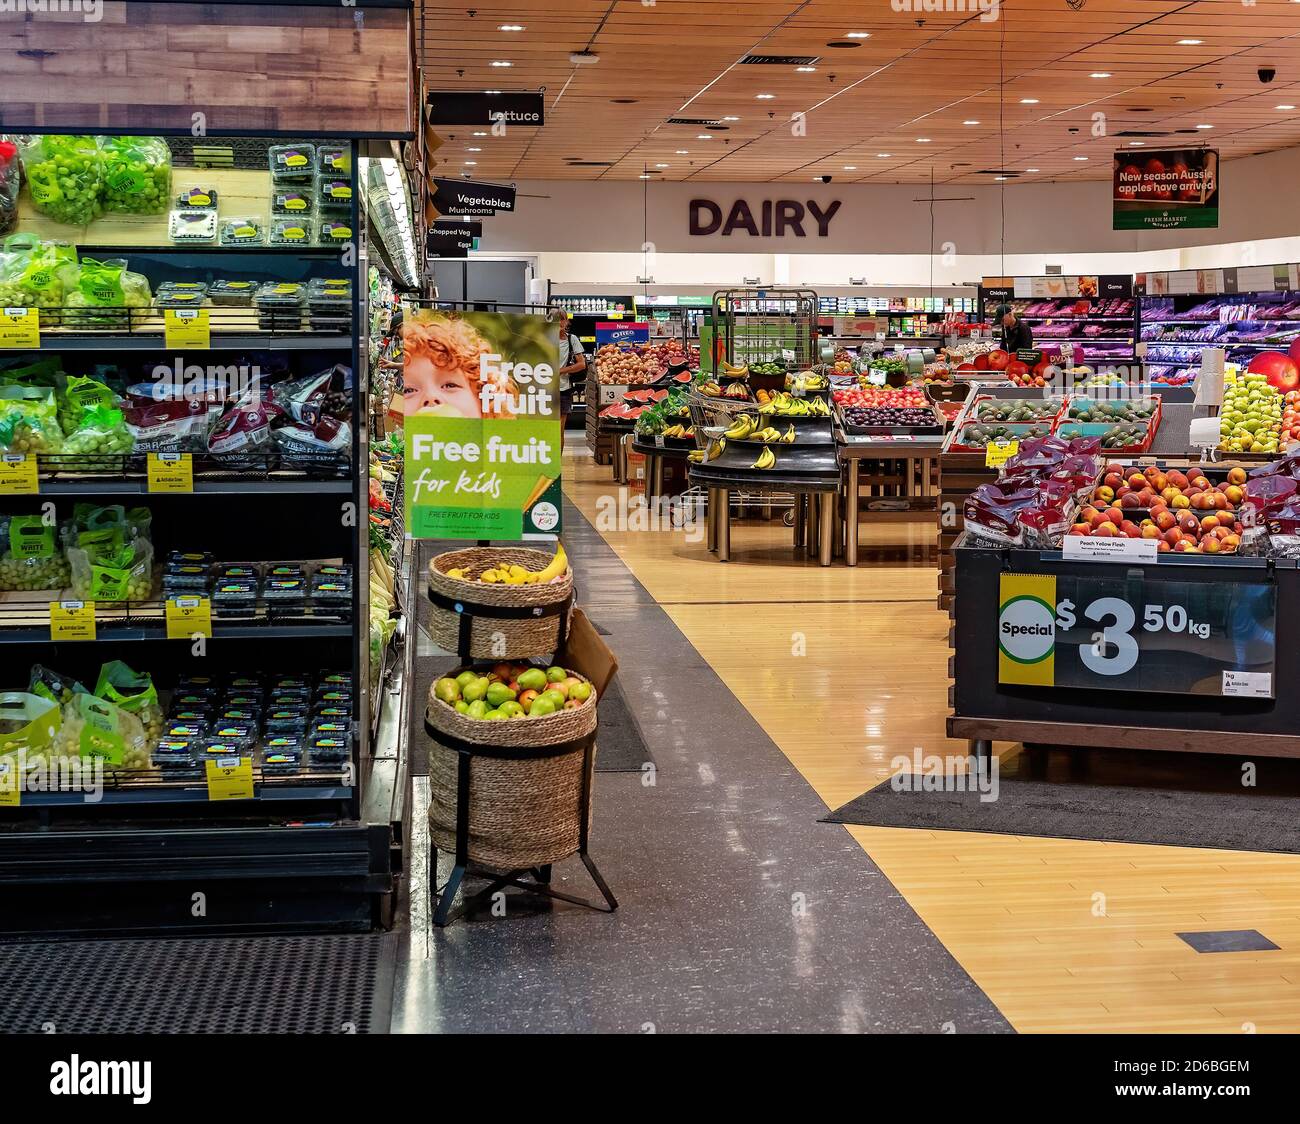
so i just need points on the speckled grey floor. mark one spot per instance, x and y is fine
(738, 910)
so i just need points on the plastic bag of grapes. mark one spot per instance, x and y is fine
(124, 575)
(133, 692)
(32, 275)
(29, 421)
(33, 558)
(65, 176)
(137, 175)
(99, 443)
(107, 287)
(28, 723)
(94, 727)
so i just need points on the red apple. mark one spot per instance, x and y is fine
(998, 360)
(1282, 370)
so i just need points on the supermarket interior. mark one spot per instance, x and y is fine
(502, 513)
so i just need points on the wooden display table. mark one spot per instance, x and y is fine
(900, 468)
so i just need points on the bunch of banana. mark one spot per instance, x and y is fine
(741, 428)
(817, 407)
(516, 575)
(732, 371)
(703, 456)
(677, 431)
(788, 438)
(710, 389)
(765, 435)
(806, 381)
(766, 459)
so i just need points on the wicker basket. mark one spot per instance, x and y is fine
(523, 812)
(498, 621)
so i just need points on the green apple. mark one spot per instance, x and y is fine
(448, 690)
(534, 679)
(476, 691)
(556, 674)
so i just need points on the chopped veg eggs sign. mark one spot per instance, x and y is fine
(482, 425)
(1166, 190)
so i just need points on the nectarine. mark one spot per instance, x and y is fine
(1236, 476)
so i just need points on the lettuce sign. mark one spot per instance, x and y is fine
(482, 425)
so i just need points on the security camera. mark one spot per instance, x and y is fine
(1267, 73)
(824, 179)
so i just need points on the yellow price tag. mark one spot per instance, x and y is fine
(18, 475)
(187, 328)
(230, 778)
(188, 616)
(171, 472)
(997, 453)
(72, 620)
(20, 328)
(11, 788)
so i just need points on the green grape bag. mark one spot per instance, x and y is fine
(137, 175)
(108, 287)
(125, 574)
(79, 393)
(29, 421)
(32, 558)
(31, 275)
(53, 685)
(98, 443)
(94, 727)
(133, 692)
(44, 372)
(65, 176)
(27, 722)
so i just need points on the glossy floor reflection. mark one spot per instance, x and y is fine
(739, 911)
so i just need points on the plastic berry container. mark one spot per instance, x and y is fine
(186, 730)
(243, 231)
(329, 308)
(333, 160)
(186, 578)
(285, 596)
(192, 227)
(286, 720)
(333, 233)
(333, 193)
(289, 201)
(329, 749)
(292, 163)
(214, 749)
(173, 754)
(281, 754)
(232, 294)
(178, 298)
(234, 597)
(292, 232)
(197, 199)
(279, 306)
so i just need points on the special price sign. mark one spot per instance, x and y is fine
(1121, 635)
(482, 423)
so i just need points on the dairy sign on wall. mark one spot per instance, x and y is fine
(482, 425)
(766, 218)
(1166, 190)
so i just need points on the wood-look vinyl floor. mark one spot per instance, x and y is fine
(846, 669)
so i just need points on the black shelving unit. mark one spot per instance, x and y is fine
(300, 852)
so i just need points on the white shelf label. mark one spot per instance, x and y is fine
(1248, 684)
(1085, 548)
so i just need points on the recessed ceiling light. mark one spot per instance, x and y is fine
(1000, 177)
(491, 91)
(643, 176)
(867, 34)
(805, 69)
(471, 163)
(1081, 158)
(737, 118)
(1190, 42)
(703, 136)
(511, 27)
(661, 165)
(1031, 169)
(1100, 74)
(1211, 126)
(501, 62)
(480, 134)
(764, 97)
(683, 152)
(1028, 101)
(1137, 144)
(1286, 107)
(883, 155)
(971, 122)
(922, 140)
(850, 167)
(473, 149)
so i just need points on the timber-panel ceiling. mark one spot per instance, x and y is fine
(920, 74)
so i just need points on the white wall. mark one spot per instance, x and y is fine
(1046, 221)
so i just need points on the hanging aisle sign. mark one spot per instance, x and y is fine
(452, 238)
(466, 107)
(1119, 634)
(1166, 190)
(465, 197)
(482, 425)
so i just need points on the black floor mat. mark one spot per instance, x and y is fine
(620, 748)
(1180, 800)
(316, 984)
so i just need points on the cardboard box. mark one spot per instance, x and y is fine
(586, 653)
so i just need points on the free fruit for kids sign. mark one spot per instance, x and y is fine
(482, 425)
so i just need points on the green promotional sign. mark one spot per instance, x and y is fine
(482, 425)
(1166, 189)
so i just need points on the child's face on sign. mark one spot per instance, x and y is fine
(427, 386)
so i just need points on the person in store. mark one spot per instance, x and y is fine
(573, 364)
(1016, 334)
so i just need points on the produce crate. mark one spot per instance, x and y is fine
(967, 439)
(1066, 427)
(1052, 409)
(934, 430)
